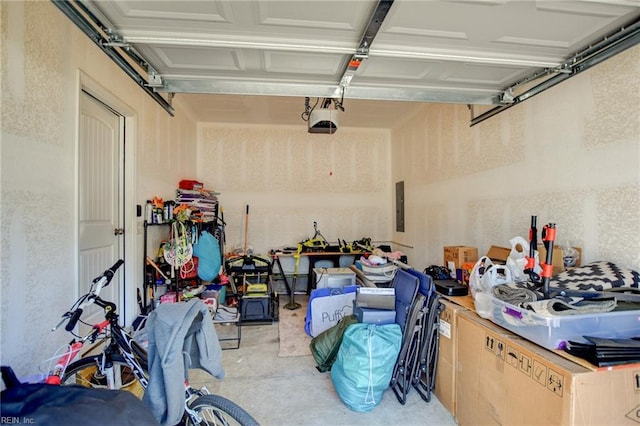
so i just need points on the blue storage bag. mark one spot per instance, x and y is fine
(207, 250)
(364, 365)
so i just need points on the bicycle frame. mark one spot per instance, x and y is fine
(116, 340)
(120, 348)
(119, 341)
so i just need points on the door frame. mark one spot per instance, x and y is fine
(127, 303)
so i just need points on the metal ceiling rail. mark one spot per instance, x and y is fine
(439, 94)
(343, 48)
(611, 45)
(370, 32)
(90, 25)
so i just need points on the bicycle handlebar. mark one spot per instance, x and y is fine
(109, 273)
(101, 281)
(74, 319)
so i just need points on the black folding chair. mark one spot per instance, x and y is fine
(401, 380)
(424, 372)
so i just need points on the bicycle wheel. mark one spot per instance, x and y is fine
(217, 410)
(86, 372)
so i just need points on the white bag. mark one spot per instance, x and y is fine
(517, 260)
(475, 278)
(484, 275)
(495, 275)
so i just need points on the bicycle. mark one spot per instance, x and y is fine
(122, 363)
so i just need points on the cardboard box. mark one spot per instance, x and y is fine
(501, 379)
(558, 257)
(445, 389)
(455, 256)
(557, 260)
(498, 254)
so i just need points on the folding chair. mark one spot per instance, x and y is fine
(406, 287)
(409, 311)
(424, 370)
(401, 379)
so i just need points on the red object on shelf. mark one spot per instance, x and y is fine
(190, 184)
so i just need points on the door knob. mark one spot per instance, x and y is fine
(118, 231)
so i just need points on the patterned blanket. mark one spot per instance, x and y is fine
(597, 276)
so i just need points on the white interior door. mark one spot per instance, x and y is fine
(100, 197)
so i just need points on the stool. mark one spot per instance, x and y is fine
(228, 322)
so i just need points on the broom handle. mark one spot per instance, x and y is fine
(156, 267)
(246, 230)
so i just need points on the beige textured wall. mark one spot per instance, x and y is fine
(290, 179)
(42, 53)
(570, 155)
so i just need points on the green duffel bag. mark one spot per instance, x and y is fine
(325, 346)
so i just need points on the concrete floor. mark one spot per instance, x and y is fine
(289, 391)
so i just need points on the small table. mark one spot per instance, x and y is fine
(314, 257)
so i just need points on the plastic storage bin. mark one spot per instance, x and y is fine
(553, 332)
(255, 308)
(334, 277)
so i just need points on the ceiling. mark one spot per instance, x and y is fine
(273, 53)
